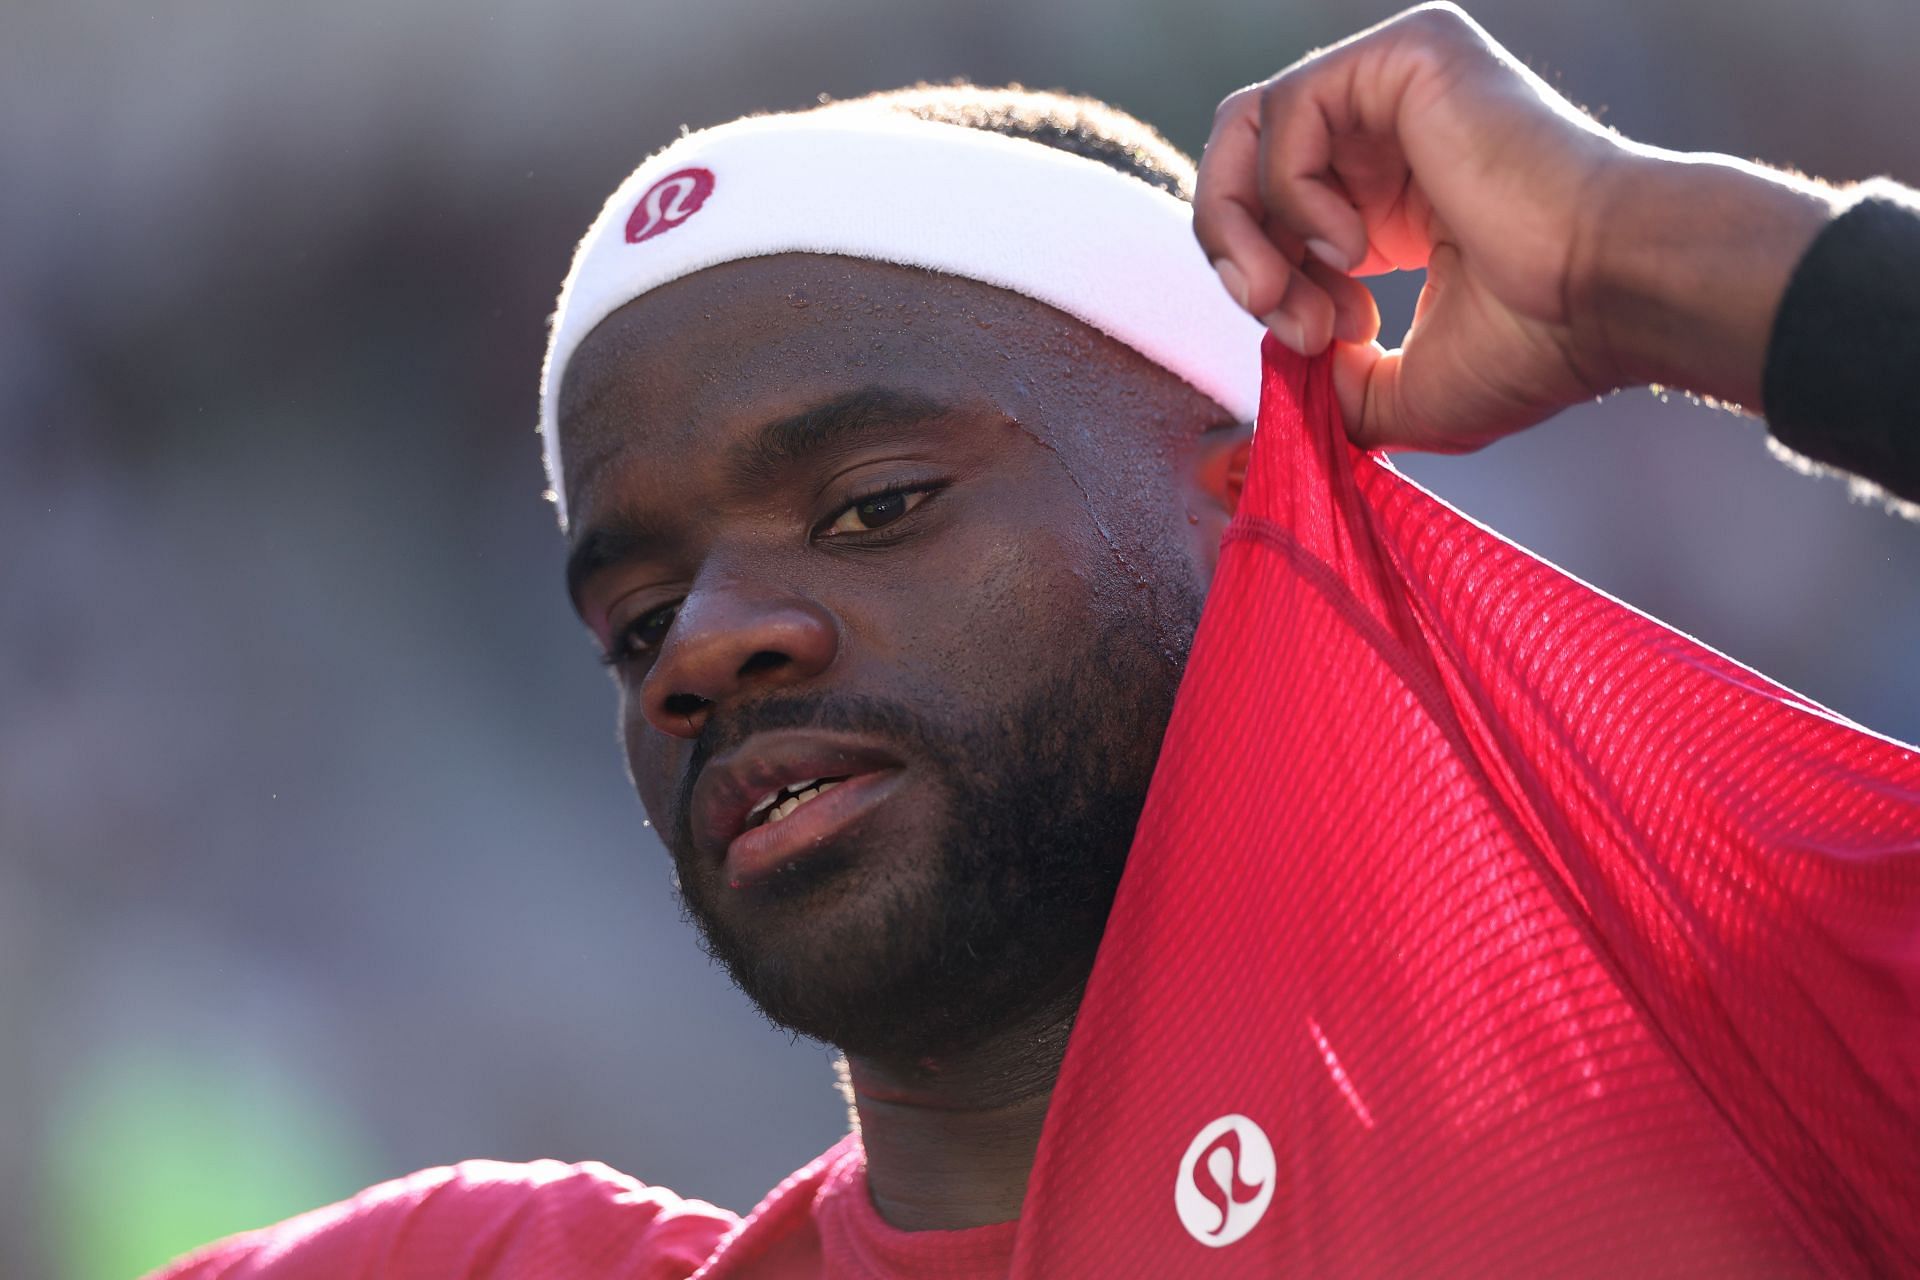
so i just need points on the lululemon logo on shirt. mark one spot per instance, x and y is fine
(1226, 1181)
(668, 203)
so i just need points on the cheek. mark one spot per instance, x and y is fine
(1160, 545)
(650, 757)
(999, 604)
(1128, 532)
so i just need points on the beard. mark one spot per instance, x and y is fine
(995, 913)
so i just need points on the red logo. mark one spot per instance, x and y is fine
(668, 203)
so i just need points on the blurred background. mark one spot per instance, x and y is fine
(317, 860)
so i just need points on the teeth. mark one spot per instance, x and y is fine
(775, 794)
(806, 792)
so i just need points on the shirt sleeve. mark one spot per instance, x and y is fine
(1842, 378)
(479, 1218)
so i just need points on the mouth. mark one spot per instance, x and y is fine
(781, 796)
(778, 804)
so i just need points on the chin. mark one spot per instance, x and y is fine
(819, 945)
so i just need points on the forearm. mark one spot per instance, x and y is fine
(1768, 291)
(1686, 267)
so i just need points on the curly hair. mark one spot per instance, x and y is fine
(1083, 126)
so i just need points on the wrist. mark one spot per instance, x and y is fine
(1685, 263)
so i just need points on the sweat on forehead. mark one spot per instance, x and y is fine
(757, 341)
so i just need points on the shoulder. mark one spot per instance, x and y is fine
(479, 1220)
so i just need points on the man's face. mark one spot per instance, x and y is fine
(898, 574)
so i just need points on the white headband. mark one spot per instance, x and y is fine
(1109, 249)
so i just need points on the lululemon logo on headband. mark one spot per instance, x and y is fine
(668, 203)
(1226, 1181)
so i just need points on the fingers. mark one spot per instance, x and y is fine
(1316, 157)
(1290, 284)
(1296, 178)
(1270, 162)
(1277, 222)
(1253, 261)
(1356, 316)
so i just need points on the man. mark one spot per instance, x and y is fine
(896, 460)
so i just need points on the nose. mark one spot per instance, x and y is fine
(730, 639)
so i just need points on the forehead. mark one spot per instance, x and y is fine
(749, 341)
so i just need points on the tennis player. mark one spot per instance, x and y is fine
(899, 444)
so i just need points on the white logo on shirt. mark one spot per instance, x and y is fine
(1226, 1181)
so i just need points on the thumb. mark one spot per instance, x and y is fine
(1366, 384)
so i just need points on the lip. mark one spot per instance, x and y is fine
(758, 853)
(730, 785)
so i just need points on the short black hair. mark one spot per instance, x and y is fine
(1083, 126)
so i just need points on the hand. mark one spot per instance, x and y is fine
(1562, 261)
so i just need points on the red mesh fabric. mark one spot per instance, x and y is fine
(474, 1220)
(821, 1222)
(484, 1220)
(1537, 939)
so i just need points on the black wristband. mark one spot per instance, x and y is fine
(1842, 378)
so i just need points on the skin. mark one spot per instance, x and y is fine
(1563, 262)
(1076, 522)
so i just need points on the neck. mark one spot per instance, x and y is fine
(950, 1140)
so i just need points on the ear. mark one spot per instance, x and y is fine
(1220, 465)
(1216, 475)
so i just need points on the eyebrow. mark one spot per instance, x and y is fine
(830, 426)
(773, 449)
(619, 540)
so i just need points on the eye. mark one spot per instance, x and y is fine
(875, 512)
(644, 635)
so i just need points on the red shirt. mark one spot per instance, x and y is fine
(1476, 925)
(551, 1221)
(1532, 937)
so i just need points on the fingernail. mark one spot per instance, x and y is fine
(1236, 284)
(1327, 253)
(1287, 329)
